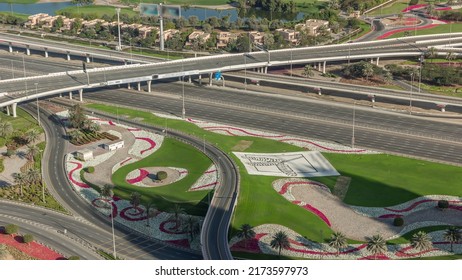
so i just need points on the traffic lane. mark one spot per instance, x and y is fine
(373, 139)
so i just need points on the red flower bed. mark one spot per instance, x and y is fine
(32, 249)
(79, 166)
(250, 246)
(150, 141)
(389, 33)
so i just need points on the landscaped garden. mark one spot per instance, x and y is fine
(379, 185)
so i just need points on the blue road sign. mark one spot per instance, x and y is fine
(218, 75)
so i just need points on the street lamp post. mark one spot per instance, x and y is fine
(38, 108)
(113, 234)
(410, 94)
(291, 62)
(12, 69)
(203, 142)
(183, 110)
(354, 120)
(118, 28)
(245, 72)
(24, 66)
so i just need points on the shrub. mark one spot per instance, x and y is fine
(443, 204)
(9, 152)
(27, 238)
(161, 175)
(74, 258)
(398, 221)
(11, 229)
(90, 169)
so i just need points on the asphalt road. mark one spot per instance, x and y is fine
(383, 131)
(98, 232)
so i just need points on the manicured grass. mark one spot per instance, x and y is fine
(385, 180)
(443, 28)
(395, 8)
(22, 16)
(97, 10)
(175, 154)
(377, 180)
(406, 238)
(19, 1)
(23, 122)
(181, 2)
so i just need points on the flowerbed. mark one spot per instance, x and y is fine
(303, 248)
(137, 176)
(392, 32)
(208, 180)
(33, 249)
(145, 144)
(310, 144)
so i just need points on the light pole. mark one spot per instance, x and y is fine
(203, 142)
(410, 95)
(354, 120)
(113, 235)
(24, 66)
(118, 28)
(183, 111)
(38, 108)
(12, 69)
(291, 62)
(245, 72)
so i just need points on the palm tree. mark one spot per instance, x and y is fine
(74, 134)
(32, 151)
(135, 199)
(20, 179)
(421, 241)
(33, 176)
(280, 241)
(452, 235)
(192, 226)
(150, 211)
(246, 232)
(31, 135)
(431, 53)
(338, 241)
(368, 70)
(107, 191)
(376, 245)
(5, 128)
(176, 211)
(308, 71)
(450, 56)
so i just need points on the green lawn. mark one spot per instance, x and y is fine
(181, 2)
(377, 180)
(96, 10)
(172, 153)
(443, 28)
(22, 16)
(395, 8)
(406, 238)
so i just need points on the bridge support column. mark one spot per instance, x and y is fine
(81, 95)
(129, 86)
(8, 110)
(324, 67)
(372, 97)
(200, 79)
(442, 107)
(319, 66)
(149, 85)
(70, 95)
(372, 60)
(210, 79)
(60, 95)
(189, 79)
(68, 56)
(87, 57)
(46, 52)
(10, 47)
(266, 70)
(27, 50)
(13, 108)
(139, 86)
(377, 62)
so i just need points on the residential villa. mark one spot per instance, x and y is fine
(289, 35)
(312, 26)
(200, 36)
(223, 38)
(256, 37)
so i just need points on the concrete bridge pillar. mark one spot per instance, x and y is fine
(149, 85)
(377, 62)
(139, 86)
(27, 50)
(189, 79)
(319, 66)
(8, 110)
(210, 78)
(442, 107)
(10, 47)
(81, 95)
(70, 95)
(68, 56)
(87, 58)
(372, 60)
(266, 69)
(46, 52)
(324, 67)
(200, 79)
(60, 94)
(13, 107)
(129, 86)
(126, 62)
(372, 97)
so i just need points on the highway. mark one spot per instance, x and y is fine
(302, 117)
(22, 89)
(98, 228)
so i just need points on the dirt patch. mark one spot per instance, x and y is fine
(341, 187)
(242, 145)
(150, 180)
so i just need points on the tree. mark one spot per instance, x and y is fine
(20, 179)
(193, 21)
(107, 191)
(32, 151)
(11, 229)
(77, 116)
(27, 238)
(452, 235)
(308, 71)
(74, 258)
(280, 241)
(243, 43)
(192, 226)
(135, 199)
(338, 241)
(176, 211)
(83, 2)
(5, 129)
(431, 53)
(150, 212)
(4, 254)
(421, 241)
(33, 176)
(376, 245)
(450, 56)
(32, 135)
(368, 70)
(246, 232)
